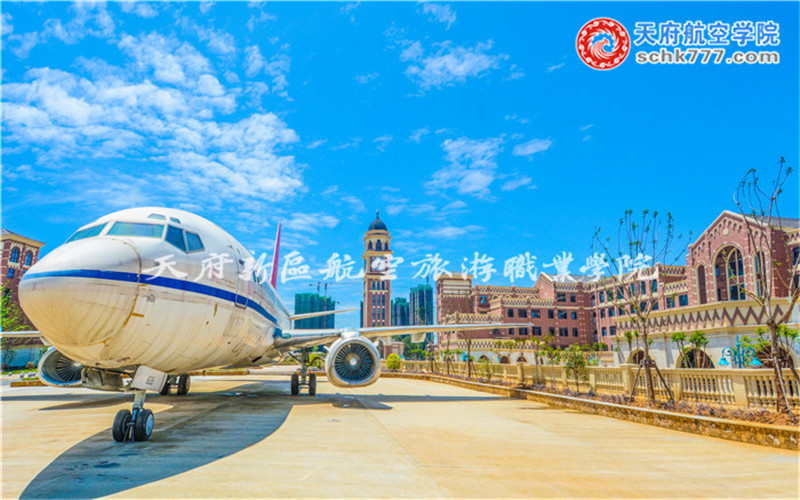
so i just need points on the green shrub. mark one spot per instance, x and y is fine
(393, 362)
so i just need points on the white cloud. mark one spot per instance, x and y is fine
(449, 64)
(317, 143)
(352, 143)
(471, 168)
(276, 67)
(416, 136)
(532, 147)
(170, 60)
(261, 18)
(448, 232)
(205, 6)
(164, 115)
(382, 141)
(311, 222)
(218, 42)
(369, 77)
(5, 22)
(441, 13)
(356, 205)
(586, 127)
(348, 10)
(330, 190)
(89, 19)
(516, 183)
(554, 67)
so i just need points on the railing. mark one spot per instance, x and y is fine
(742, 388)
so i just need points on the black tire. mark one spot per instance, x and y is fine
(143, 426)
(295, 384)
(165, 390)
(312, 384)
(184, 382)
(120, 427)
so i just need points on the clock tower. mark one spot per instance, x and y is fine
(377, 296)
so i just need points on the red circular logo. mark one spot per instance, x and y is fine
(603, 43)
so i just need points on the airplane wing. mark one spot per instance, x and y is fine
(25, 334)
(291, 340)
(319, 313)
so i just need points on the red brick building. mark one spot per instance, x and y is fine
(705, 294)
(561, 308)
(19, 254)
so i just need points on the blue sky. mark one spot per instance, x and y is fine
(473, 127)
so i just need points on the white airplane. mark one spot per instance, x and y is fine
(133, 293)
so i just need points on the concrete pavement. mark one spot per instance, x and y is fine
(245, 437)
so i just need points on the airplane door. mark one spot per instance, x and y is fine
(242, 283)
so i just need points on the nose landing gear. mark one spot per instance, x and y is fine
(136, 424)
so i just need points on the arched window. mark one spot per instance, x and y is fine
(522, 359)
(758, 272)
(503, 360)
(378, 245)
(729, 274)
(28, 258)
(15, 255)
(369, 246)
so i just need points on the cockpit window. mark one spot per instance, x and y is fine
(156, 217)
(194, 242)
(141, 229)
(89, 232)
(175, 237)
(173, 219)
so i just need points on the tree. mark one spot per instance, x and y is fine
(393, 362)
(11, 320)
(641, 238)
(680, 339)
(776, 275)
(575, 364)
(487, 368)
(699, 340)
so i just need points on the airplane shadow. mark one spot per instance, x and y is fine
(237, 418)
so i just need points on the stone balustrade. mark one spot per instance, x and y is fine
(753, 388)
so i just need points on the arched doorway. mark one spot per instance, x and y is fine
(695, 358)
(637, 356)
(522, 359)
(701, 284)
(483, 358)
(765, 356)
(729, 274)
(503, 360)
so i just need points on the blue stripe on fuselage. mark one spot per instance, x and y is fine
(147, 279)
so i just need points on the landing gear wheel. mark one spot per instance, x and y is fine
(184, 382)
(295, 384)
(143, 426)
(312, 384)
(165, 390)
(121, 423)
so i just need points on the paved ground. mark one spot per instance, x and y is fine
(243, 436)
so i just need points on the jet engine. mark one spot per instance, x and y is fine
(352, 362)
(58, 370)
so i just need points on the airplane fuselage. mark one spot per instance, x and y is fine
(157, 287)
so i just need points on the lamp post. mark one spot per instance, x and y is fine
(739, 356)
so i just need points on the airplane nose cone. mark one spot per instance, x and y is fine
(82, 293)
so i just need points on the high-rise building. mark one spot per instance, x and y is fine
(314, 302)
(421, 305)
(400, 312)
(377, 285)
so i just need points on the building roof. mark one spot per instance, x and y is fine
(377, 224)
(11, 235)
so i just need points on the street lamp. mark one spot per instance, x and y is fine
(739, 356)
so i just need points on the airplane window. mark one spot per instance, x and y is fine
(140, 229)
(156, 217)
(194, 242)
(173, 219)
(89, 232)
(175, 237)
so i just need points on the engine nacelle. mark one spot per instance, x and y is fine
(352, 362)
(57, 370)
